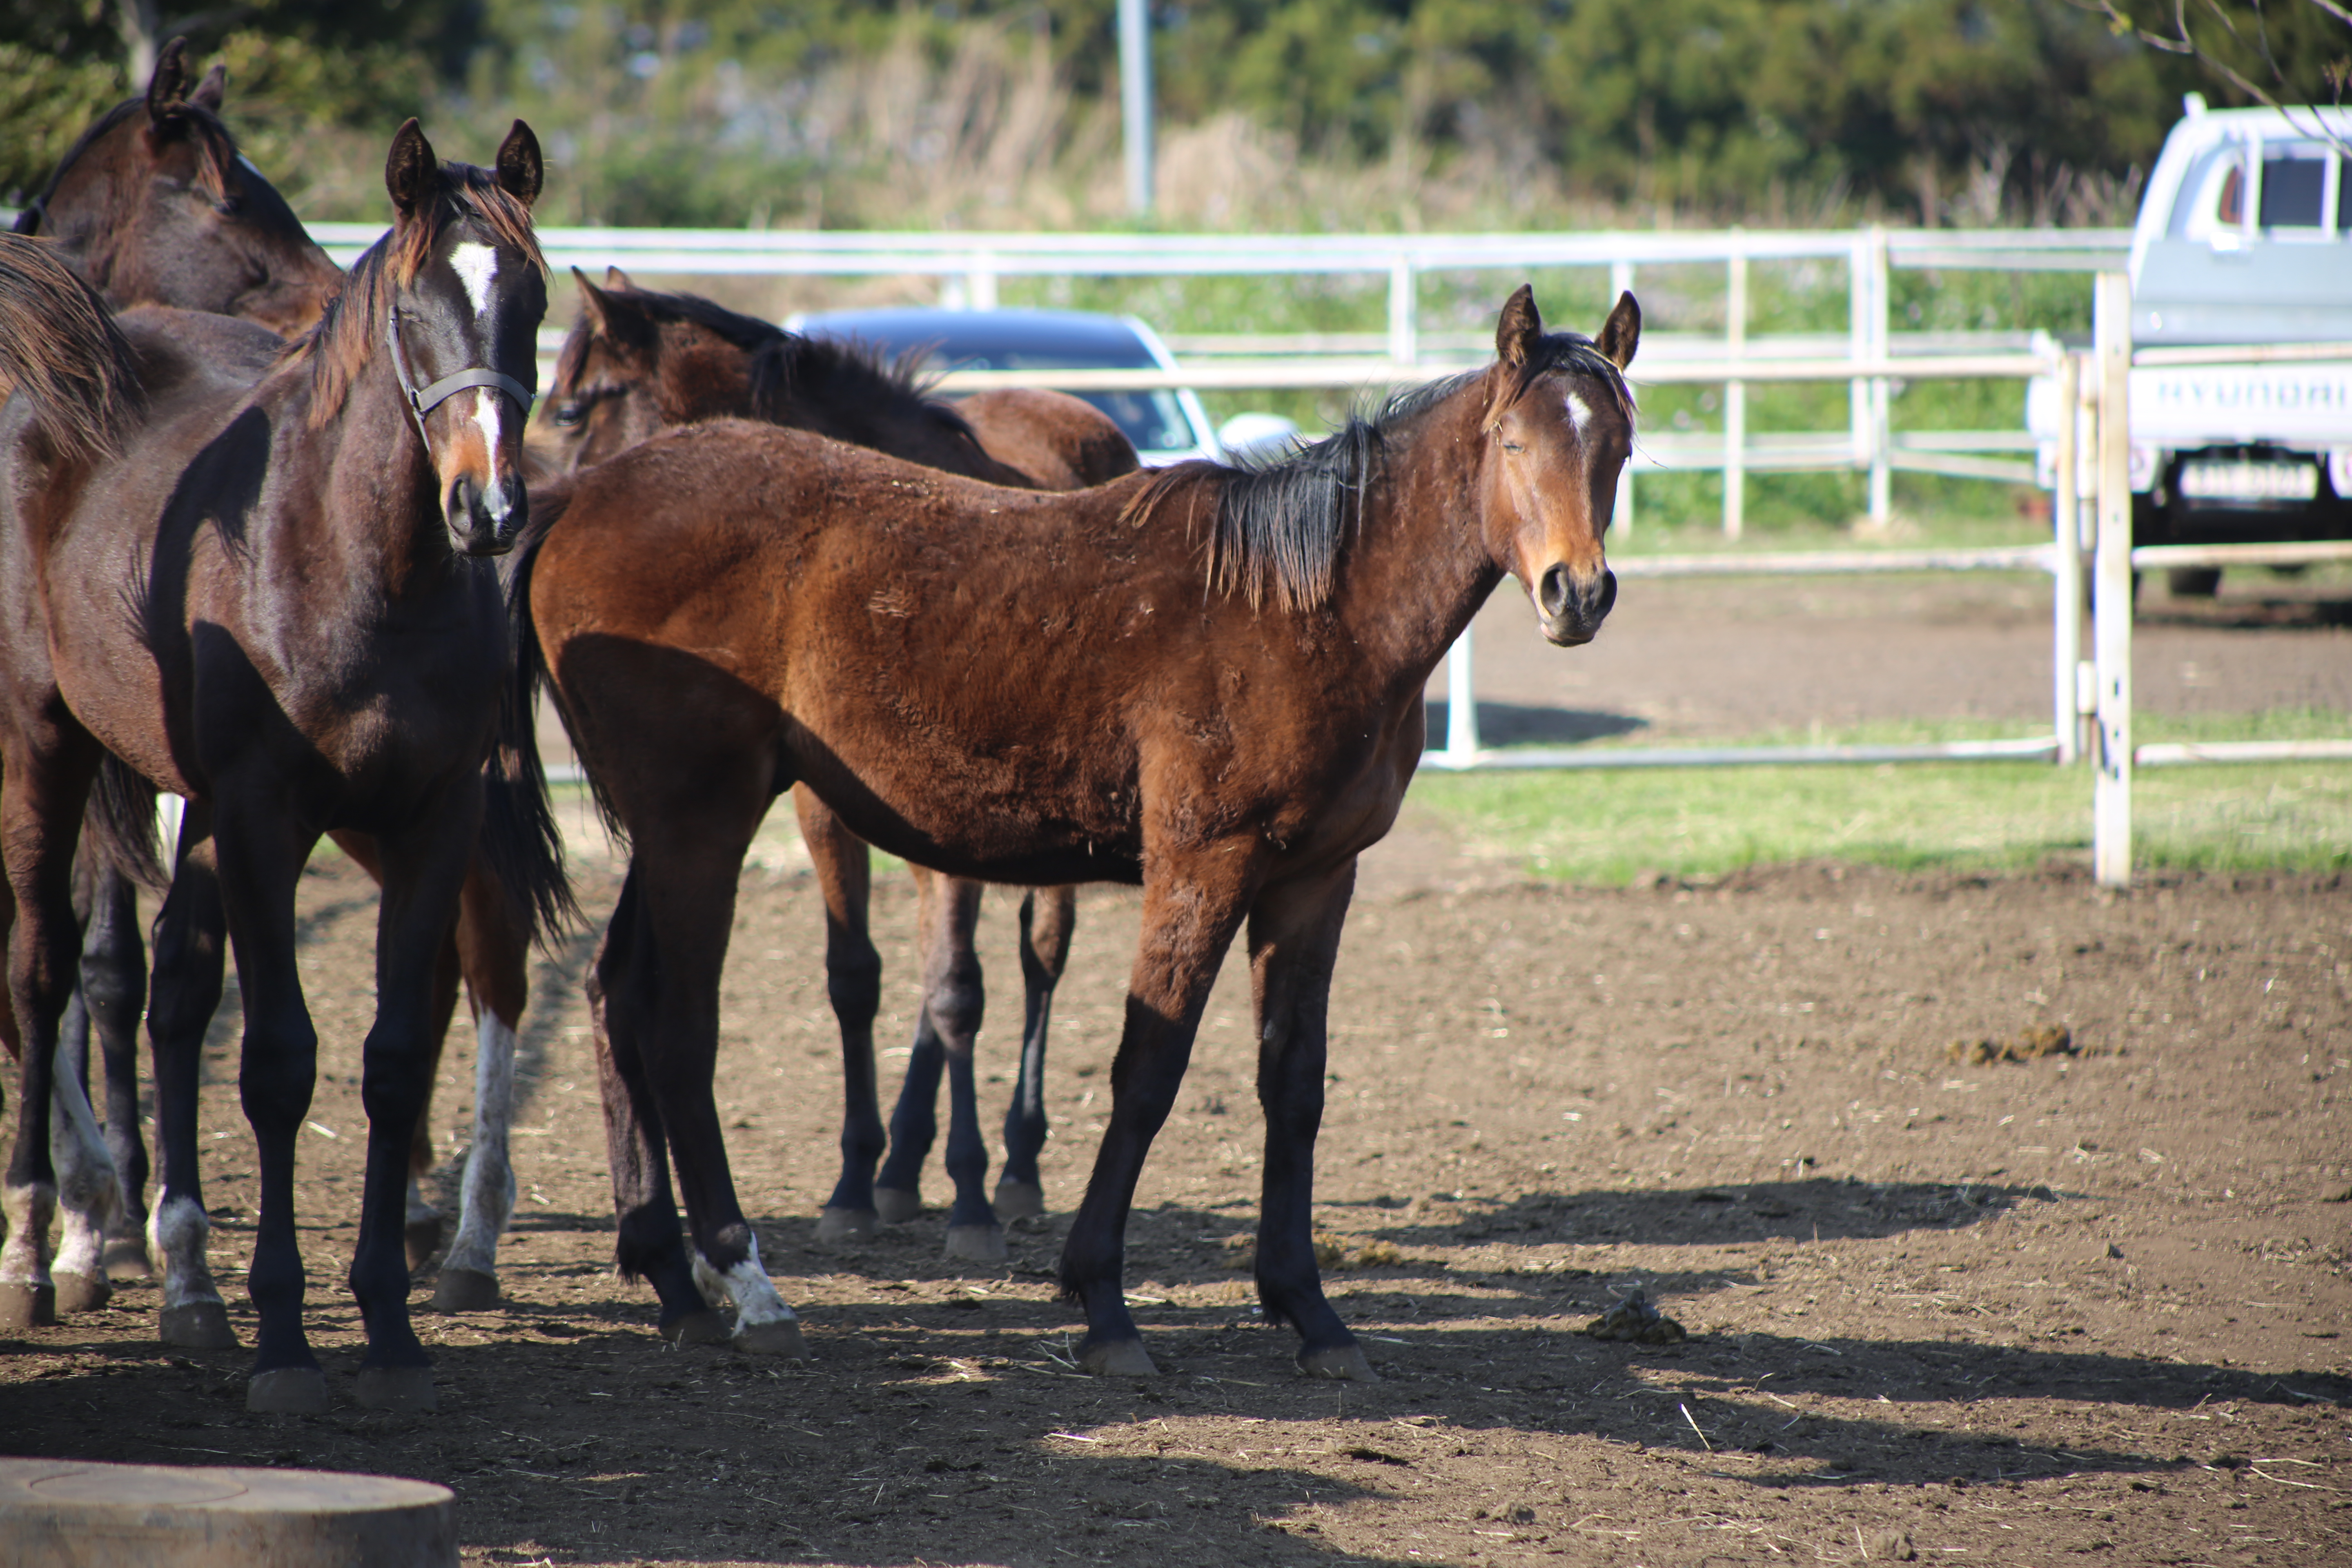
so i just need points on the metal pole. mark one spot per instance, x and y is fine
(1735, 394)
(2111, 846)
(1882, 302)
(2067, 575)
(1135, 99)
(1404, 311)
(1460, 706)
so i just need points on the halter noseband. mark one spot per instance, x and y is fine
(422, 402)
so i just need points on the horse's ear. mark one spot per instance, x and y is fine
(1621, 334)
(1521, 328)
(410, 169)
(592, 300)
(211, 89)
(519, 166)
(618, 280)
(167, 89)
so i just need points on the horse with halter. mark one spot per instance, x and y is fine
(1206, 680)
(640, 361)
(256, 575)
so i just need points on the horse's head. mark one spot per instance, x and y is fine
(162, 209)
(611, 388)
(467, 295)
(1559, 426)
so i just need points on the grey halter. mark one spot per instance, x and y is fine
(423, 402)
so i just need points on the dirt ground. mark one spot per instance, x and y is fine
(1940, 1309)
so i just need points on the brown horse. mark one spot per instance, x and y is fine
(151, 208)
(154, 205)
(312, 641)
(639, 361)
(1206, 681)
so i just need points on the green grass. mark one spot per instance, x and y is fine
(1608, 828)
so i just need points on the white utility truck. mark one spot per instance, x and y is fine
(2244, 238)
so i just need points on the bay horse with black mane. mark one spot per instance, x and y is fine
(1206, 681)
(255, 576)
(638, 361)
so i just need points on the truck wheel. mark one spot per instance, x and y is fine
(2193, 582)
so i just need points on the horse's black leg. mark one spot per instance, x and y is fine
(687, 865)
(114, 991)
(952, 1000)
(853, 979)
(914, 1120)
(1190, 911)
(259, 853)
(40, 812)
(191, 949)
(424, 868)
(1294, 940)
(1047, 916)
(651, 1244)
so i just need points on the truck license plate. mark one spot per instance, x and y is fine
(2250, 481)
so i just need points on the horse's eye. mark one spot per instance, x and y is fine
(567, 415)
(1513, 446)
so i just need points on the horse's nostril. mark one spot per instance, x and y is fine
(1556, 591)
(1607, 596)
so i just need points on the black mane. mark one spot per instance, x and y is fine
(1283, 521)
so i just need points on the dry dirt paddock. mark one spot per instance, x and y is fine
(2084, 1307)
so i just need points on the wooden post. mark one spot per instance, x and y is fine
(1880, 325)
(1404, 311)
(2111, 827)
(2066, 581)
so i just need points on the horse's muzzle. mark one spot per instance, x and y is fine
(1570, 610)
(485, 522)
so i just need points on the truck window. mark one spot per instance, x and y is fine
(2294, 187)
(2213, 196)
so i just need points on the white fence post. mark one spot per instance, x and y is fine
(1621, 283)
(2111, 829)
(1460, 706)
(1404, 311)
(1882, 304)
(1735, 392)
(2066, 571)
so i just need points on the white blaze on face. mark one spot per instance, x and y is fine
(1579, 413)
(476, 267)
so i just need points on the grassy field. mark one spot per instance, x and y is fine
(1609, 827)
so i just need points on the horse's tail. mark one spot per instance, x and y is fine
(119, 826)
(519, 835)
(547, 510)
(60, 348)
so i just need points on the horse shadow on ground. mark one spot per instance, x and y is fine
(1516, 724)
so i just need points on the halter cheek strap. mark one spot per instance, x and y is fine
(422, 401)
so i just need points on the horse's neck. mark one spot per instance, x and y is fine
(1417, 569)
(382, 523)
(704, 379)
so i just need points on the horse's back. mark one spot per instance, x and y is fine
(1061, 442)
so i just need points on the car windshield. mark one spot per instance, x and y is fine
(1027, 339)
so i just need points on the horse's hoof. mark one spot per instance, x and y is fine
(897, 1205)
(288, 1391)
(126, 1262)
(1345, 1362)
(23, 1306)
(704, 1328)
(842, 1227)
(395, 1388)
(423, 1239)
(465, 1291)
(1019, 1200)
(197, 1326)
(81, 1292)
(782, 1338)
(1117, 1358)
(976, 1243)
